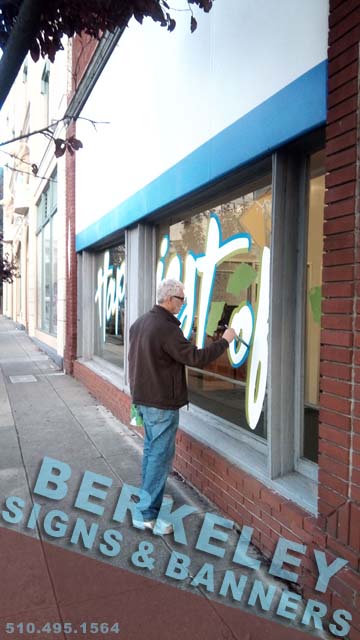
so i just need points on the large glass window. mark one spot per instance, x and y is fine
(313, 306)
(109, 305)
(54, 265)
(222, 256)
(47, 235)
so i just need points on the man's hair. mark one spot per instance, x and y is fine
(168, 288)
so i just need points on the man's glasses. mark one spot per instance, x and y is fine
(179, 298)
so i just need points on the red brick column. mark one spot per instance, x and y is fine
(339, 459)
(82, 52)
(339, 355)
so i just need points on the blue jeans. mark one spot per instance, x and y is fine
(160, 427)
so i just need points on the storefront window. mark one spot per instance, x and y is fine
(222, 256)
(47, 238)
(313, 307)
(54, 273)
(110, 305)
(46, 277)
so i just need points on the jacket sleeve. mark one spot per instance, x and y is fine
(182, 350)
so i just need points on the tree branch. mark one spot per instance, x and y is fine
(48, 129)
(27, 173)
(45, 130)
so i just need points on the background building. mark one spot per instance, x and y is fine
(34, 205)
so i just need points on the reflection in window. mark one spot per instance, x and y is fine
(220, 388)
(54, 275)
(313, 307)
(110, 305)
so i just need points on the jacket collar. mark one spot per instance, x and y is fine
(167, 314)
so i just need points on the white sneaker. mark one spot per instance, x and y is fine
(162, 528)
(159, 527)
(144, 524)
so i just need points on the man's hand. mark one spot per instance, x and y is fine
(229, 335)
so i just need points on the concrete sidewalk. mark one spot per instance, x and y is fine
(46, 413)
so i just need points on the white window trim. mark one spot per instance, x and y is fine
(287, 316)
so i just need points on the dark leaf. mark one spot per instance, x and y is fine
(207, 5)
(155, 11)
(171, 24)
(193, 24)
(35, 51)
(52, 48)
(92, 17)
(74, 143)
(60, 147)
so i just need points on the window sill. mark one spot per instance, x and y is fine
(107, 371)
(247, 454)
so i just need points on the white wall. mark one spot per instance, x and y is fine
(165, 94)
(26, 101)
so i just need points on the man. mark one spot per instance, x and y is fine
(158, 354)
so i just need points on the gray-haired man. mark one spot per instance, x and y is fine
(158, 354)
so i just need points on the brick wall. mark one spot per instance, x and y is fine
(247, 501)
(83, 49)
(339, 446)
(82, 53)
(117, 402)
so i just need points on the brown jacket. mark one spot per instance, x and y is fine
(158, 354)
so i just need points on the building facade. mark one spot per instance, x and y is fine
(242, 181)
(229, 159)
(34, 200)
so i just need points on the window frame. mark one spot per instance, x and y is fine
(98, 257)
(88, 264)
(290, 203)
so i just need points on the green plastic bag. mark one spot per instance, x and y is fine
(135, 417)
